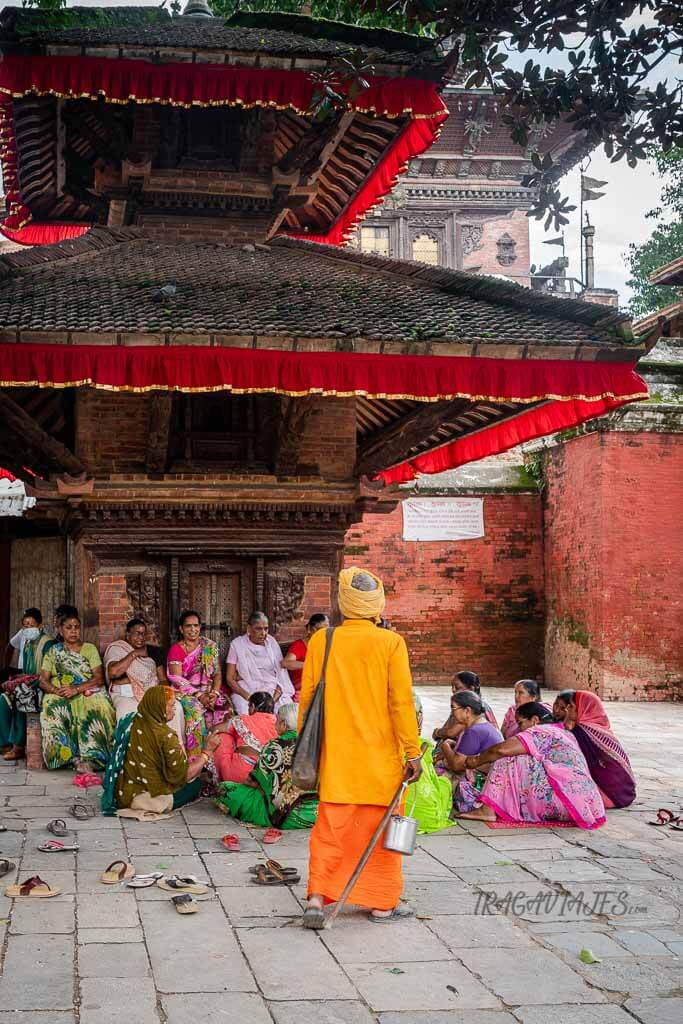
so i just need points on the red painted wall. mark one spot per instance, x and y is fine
(473, 604)
(614, 565)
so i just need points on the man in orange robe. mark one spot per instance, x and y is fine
(370, 743)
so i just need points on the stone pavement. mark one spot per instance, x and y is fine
(107, 955)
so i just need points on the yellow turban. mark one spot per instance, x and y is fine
(360, 604)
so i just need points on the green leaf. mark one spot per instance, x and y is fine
(586, 956)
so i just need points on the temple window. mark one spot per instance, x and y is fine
(233, 430)
(375, 240)
(426, 249)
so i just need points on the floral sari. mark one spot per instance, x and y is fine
(198, 669)
(75, 728)
(607, 760)
(551, 782)
(274, 800)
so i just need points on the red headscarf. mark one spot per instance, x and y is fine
(591, 711)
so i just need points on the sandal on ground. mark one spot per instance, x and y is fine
(676, 825)
(82, 811)
(273, 835)
(184, 904)
(118, 871)
(232, 843)
(264, 877)
(14, 754)
(58, 827)
(6, 866)
(314, 917)
(55, 846)
(86, 779)
(183, 883)
(34, 887)
(399, 913)
(144, 881)
(274, 868)
(664, 817)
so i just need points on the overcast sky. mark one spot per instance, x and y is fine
(619, 217)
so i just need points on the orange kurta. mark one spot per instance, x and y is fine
(370, 727)
(370, 721)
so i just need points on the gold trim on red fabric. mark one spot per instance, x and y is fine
(325, 393)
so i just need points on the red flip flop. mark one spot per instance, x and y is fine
(273, 835)
(231, 843)
(86, 779)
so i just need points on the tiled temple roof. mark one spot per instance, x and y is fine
(273, 33)
(292, 293)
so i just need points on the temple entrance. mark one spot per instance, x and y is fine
(222, 592)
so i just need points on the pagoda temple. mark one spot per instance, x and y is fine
(200, 383)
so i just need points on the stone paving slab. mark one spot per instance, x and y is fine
(448, 1017)
(44, 917)
(124, 960)
(109, 1001)
(109, 935)
(354, 940)
(302, 968)
(317, 1012)
(531, 976)
(657, 1011)
(407, 986)
(173, 942)
(17, 1017)
(209, 1008)
(102, 910)
(470, 931)
(254, 902)
(38, 973)
(572, 1015)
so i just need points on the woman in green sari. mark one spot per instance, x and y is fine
(77, 719)
(430, 799)
(269, 798)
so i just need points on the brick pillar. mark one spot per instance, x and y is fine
(34, 750)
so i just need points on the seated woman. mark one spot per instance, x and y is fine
(477, 735)
(462, 682)
(269, 796)
(194, 670)
(537, 776)
(242, 739)
(149, 772)
(20, 693)
(294, 659)
(131, 667)
(77, 719)
(526, 690)
(584, 715)
(430, 799)
(254, 663)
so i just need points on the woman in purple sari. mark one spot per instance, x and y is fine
(194, 670)
(538, 776)
(583, 713)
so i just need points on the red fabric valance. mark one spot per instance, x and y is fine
(572, 392)
(121, 81)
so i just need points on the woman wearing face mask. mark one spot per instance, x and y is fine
(28, 646)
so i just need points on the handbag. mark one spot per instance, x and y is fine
(306, 760)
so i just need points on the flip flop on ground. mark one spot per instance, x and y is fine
(58, 827)
(55, 846)
(118, 871)
(399, 913)
(35, 888)
(264, 877)
(183, 883)
(184, 904)
(6, 866)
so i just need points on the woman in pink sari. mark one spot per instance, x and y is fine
(194, 671)
(538, 776)
(526, 690)
(243, 737)
(583, 713)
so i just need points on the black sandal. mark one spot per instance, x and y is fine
(399, 913)
(664, 817)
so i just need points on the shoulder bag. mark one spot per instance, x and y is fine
(306, 761)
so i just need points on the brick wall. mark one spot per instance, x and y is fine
(317, 598)
(476, 604)
(114, 608)
(485, 256)
(329, 438)
(111, 430)
(614, 564)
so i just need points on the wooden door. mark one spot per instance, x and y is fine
(37, 577)
(216, 596)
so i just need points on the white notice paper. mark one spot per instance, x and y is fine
(443, 518)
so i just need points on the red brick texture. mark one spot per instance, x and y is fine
(613, 566)
(474, 604)
(114, 608)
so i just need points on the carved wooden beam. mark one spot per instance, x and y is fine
(31, 437)
(159, 433)
(294, 414)
(389, 446)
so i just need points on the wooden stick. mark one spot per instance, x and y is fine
(365, 857)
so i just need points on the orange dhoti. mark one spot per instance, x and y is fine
(340, 836)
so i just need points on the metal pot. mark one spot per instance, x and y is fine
(400, 835)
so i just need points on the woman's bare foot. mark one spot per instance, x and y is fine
(483, 813)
